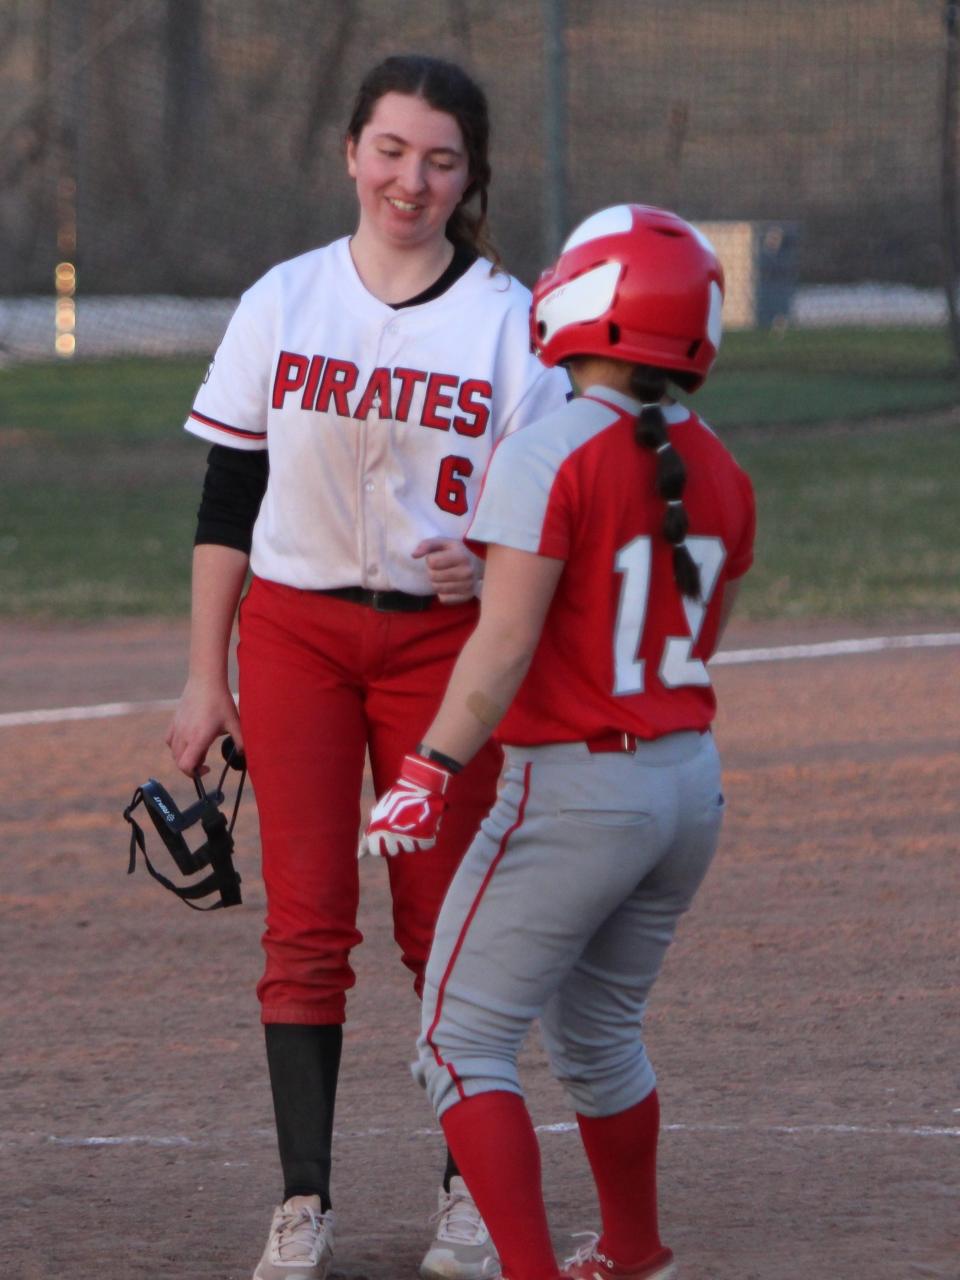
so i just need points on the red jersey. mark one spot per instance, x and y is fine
(621, 649)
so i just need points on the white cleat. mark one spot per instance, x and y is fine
(300, 1246)
(461, 1248)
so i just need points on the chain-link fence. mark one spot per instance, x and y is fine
(157, 155)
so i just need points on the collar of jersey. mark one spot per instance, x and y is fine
(368, 303)
(673, 413)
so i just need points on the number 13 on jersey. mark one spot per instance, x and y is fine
(677, 667)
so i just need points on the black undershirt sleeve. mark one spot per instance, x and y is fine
(233, 489)
(236, 479)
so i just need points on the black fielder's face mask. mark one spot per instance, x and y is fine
(214, 852)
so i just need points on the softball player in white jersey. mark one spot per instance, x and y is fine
(377, 374)
(615, 531)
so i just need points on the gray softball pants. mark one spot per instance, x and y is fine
(563, 909)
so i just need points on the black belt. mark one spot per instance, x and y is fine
(382, 601)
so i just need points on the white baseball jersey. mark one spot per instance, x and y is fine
(379, 422)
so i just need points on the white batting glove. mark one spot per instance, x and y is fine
(405, 819)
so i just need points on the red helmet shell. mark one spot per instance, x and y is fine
(632, 283)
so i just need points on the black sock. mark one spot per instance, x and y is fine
(451, 1171)
(304, 1063)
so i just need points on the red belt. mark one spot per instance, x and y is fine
(626, 742)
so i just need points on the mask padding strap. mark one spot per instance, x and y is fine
(223, 878)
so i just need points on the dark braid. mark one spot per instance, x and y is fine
(649, 385)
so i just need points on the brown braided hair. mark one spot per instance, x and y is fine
(649, 385)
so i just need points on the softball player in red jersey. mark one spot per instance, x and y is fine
(377, 373)
(615, 532)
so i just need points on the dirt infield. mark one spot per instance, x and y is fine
(804, 1029)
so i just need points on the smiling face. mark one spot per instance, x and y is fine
(410, 166)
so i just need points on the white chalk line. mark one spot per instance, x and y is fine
(105, 711)
(836, 648)
(562, 1127)
(726, 657)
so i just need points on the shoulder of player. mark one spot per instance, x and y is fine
(282, 286)
(292, 273)
(303, 266)
(709, 460)
(688, 427)
(552, 440)
(494, 287)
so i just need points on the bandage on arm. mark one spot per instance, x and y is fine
(518, 589)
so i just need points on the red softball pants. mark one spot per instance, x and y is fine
(323, 681)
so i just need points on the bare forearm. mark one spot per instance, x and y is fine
(516, 596)
(218, 577)
(206, 707)
(488, 673)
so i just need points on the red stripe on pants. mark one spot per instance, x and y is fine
(461, 936)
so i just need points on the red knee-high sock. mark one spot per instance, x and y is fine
(622, 1150)
(492, 1140)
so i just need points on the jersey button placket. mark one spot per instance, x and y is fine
(367, 483)
(378, 482)
(373, 484)
(373, 518)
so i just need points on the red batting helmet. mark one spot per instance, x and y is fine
(632, 283)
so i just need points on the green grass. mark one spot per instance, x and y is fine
(121, 399)
(769, 398)
(99, 484)
(854, 523)
(912, 353)
(761, 379)
(89, 530)
(99, 487)
(824, 375)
